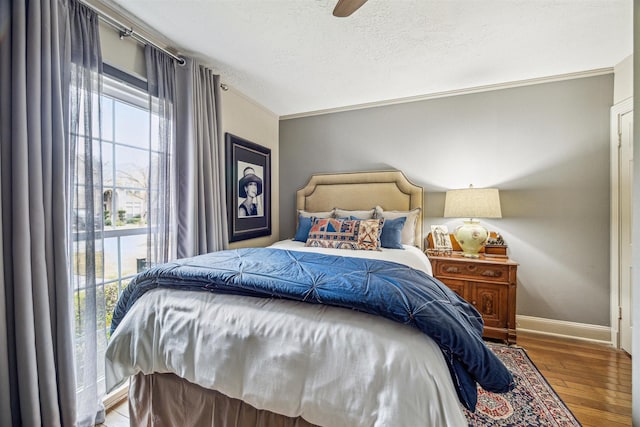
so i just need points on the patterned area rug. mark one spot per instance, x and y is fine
(532, 403)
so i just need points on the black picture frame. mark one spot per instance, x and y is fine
(247, 173)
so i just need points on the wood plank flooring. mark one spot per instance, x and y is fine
(117, 416)
(594, 380)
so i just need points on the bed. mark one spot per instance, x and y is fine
(219, 358)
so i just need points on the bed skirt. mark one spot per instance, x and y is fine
(166, 400)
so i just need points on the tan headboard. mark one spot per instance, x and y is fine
(360, 191)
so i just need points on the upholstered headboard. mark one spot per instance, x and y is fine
(360, 191)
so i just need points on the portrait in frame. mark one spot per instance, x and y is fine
(248, 183)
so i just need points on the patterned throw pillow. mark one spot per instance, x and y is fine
(305, 219)
(346, 234)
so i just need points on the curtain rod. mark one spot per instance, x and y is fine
(125, 31)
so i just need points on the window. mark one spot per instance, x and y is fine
(121, 169)
(126, 150)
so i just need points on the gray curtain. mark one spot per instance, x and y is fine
(37, 386)
(202, 220)
(85, 206)
(161, 78)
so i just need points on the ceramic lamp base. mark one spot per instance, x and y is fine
(471, 236)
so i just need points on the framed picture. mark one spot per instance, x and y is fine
(248, 181)
(441, 239)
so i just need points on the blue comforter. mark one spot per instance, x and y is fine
(383, 288)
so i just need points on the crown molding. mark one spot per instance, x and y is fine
(456, 92)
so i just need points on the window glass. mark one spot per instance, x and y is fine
(106, 109)
(108, 166)
(123, 161)
(132, 167)
(133, 254)
(131, 125)
(111, 271)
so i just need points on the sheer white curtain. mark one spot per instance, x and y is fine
(202, 213)
(161, 78)
(85, 206)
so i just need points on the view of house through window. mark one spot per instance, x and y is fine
(126, 148)
(126, 144)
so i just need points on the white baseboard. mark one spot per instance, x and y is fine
(561, 328)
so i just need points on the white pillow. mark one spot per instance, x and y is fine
(329, 214)
(409, 229)
(344, 213)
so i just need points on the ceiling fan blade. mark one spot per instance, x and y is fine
(345, 8)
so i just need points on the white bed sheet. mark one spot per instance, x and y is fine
(332, 366)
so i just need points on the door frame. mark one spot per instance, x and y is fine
(617, 110)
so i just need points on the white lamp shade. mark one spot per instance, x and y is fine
(472, 203)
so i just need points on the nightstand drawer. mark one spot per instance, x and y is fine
(471, 270)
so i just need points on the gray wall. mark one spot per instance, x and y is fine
(545, 146)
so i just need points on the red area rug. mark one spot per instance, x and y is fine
(532, 403)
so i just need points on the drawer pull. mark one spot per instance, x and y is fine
(492, 273)
(452, 269)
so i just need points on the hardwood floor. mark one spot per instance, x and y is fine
(117, 416)
(592, 379)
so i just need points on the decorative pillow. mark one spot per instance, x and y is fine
(328, 214)
(409, 229)
(346, 234)
(350, 217)
(343, 213)
(391, 237)
(304, 225)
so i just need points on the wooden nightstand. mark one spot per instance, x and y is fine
(488, 283)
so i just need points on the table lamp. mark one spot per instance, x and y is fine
(472, 203)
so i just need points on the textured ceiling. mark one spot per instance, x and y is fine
(293, 56)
